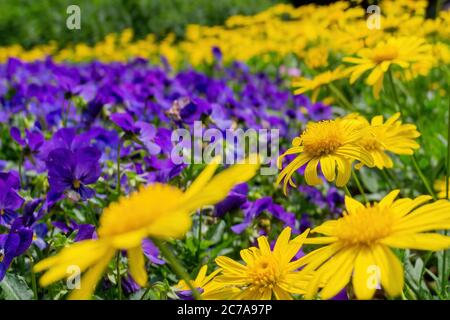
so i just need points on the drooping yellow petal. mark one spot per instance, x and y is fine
(391, 270)
(365, 276)
(137, 265)
(90, 279)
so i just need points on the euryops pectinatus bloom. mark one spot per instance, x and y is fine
(158, 210)
(362, 239)
(334, 144)
(266, 272)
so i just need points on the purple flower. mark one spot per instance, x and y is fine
(32, 141)
(151, 251)
(84, 231)
(73, 171)
(254, 209)
(140, 132)
(235, 199)
(8, 247)
(129, 285)
(10, 200)
(12, 245)
(65, 138)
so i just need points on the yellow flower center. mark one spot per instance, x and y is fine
(139, 210)
(264, 273)
(384, 53)
(2, 255)
(365, 226)
(372, 144)
(2, 211)
(322, 138)
(76, 184)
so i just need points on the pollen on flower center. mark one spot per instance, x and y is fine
(385, 53)
(2, 211)
(264, 273)
(365, 226)
(76, 184)
(372, 144)
(322, 138)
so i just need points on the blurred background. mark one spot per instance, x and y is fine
(32, 22)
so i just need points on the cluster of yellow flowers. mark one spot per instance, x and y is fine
(311, 32)
(336, 144)
(351, 245)
(357, 247)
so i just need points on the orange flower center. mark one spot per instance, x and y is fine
(365, 226)
(385, 53)
(322, 138)
(264, 273)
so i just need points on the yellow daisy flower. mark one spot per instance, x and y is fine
(266, 272)
(359, 244)
(210, 289)
(395, 51)
(305, 84)
(390, 136)
(332, 143)
(440, 187)
(159, 210)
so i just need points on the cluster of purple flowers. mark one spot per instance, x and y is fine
(63, 125)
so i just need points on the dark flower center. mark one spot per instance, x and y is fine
(77, 184)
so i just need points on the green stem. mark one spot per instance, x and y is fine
(146, 292)
(33, 278)
(359, 186)
(340, 96)
(422, 177)
(199, 234)
(347, 192)
(387, 179)
(118, 275)
(176, 266)
(394, 90)
(119, 187)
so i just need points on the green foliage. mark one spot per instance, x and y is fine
(30, 22)
(14, 287)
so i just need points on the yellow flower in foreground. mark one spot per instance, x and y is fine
(266, 272)
(332, 143)
(305, 84)
(158, 210)
(208, 288)
(441, 187)
(390, 136)
(359, 244)
(395, 51)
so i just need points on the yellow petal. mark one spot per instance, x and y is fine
(91, 277)
(391, 270)
(220, 185)
(136, 263)
(171, 225)
(230, 265)
(418, 241)
(365, 276)
(311, 172)
(328, 166)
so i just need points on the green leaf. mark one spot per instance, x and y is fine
(14, 287)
